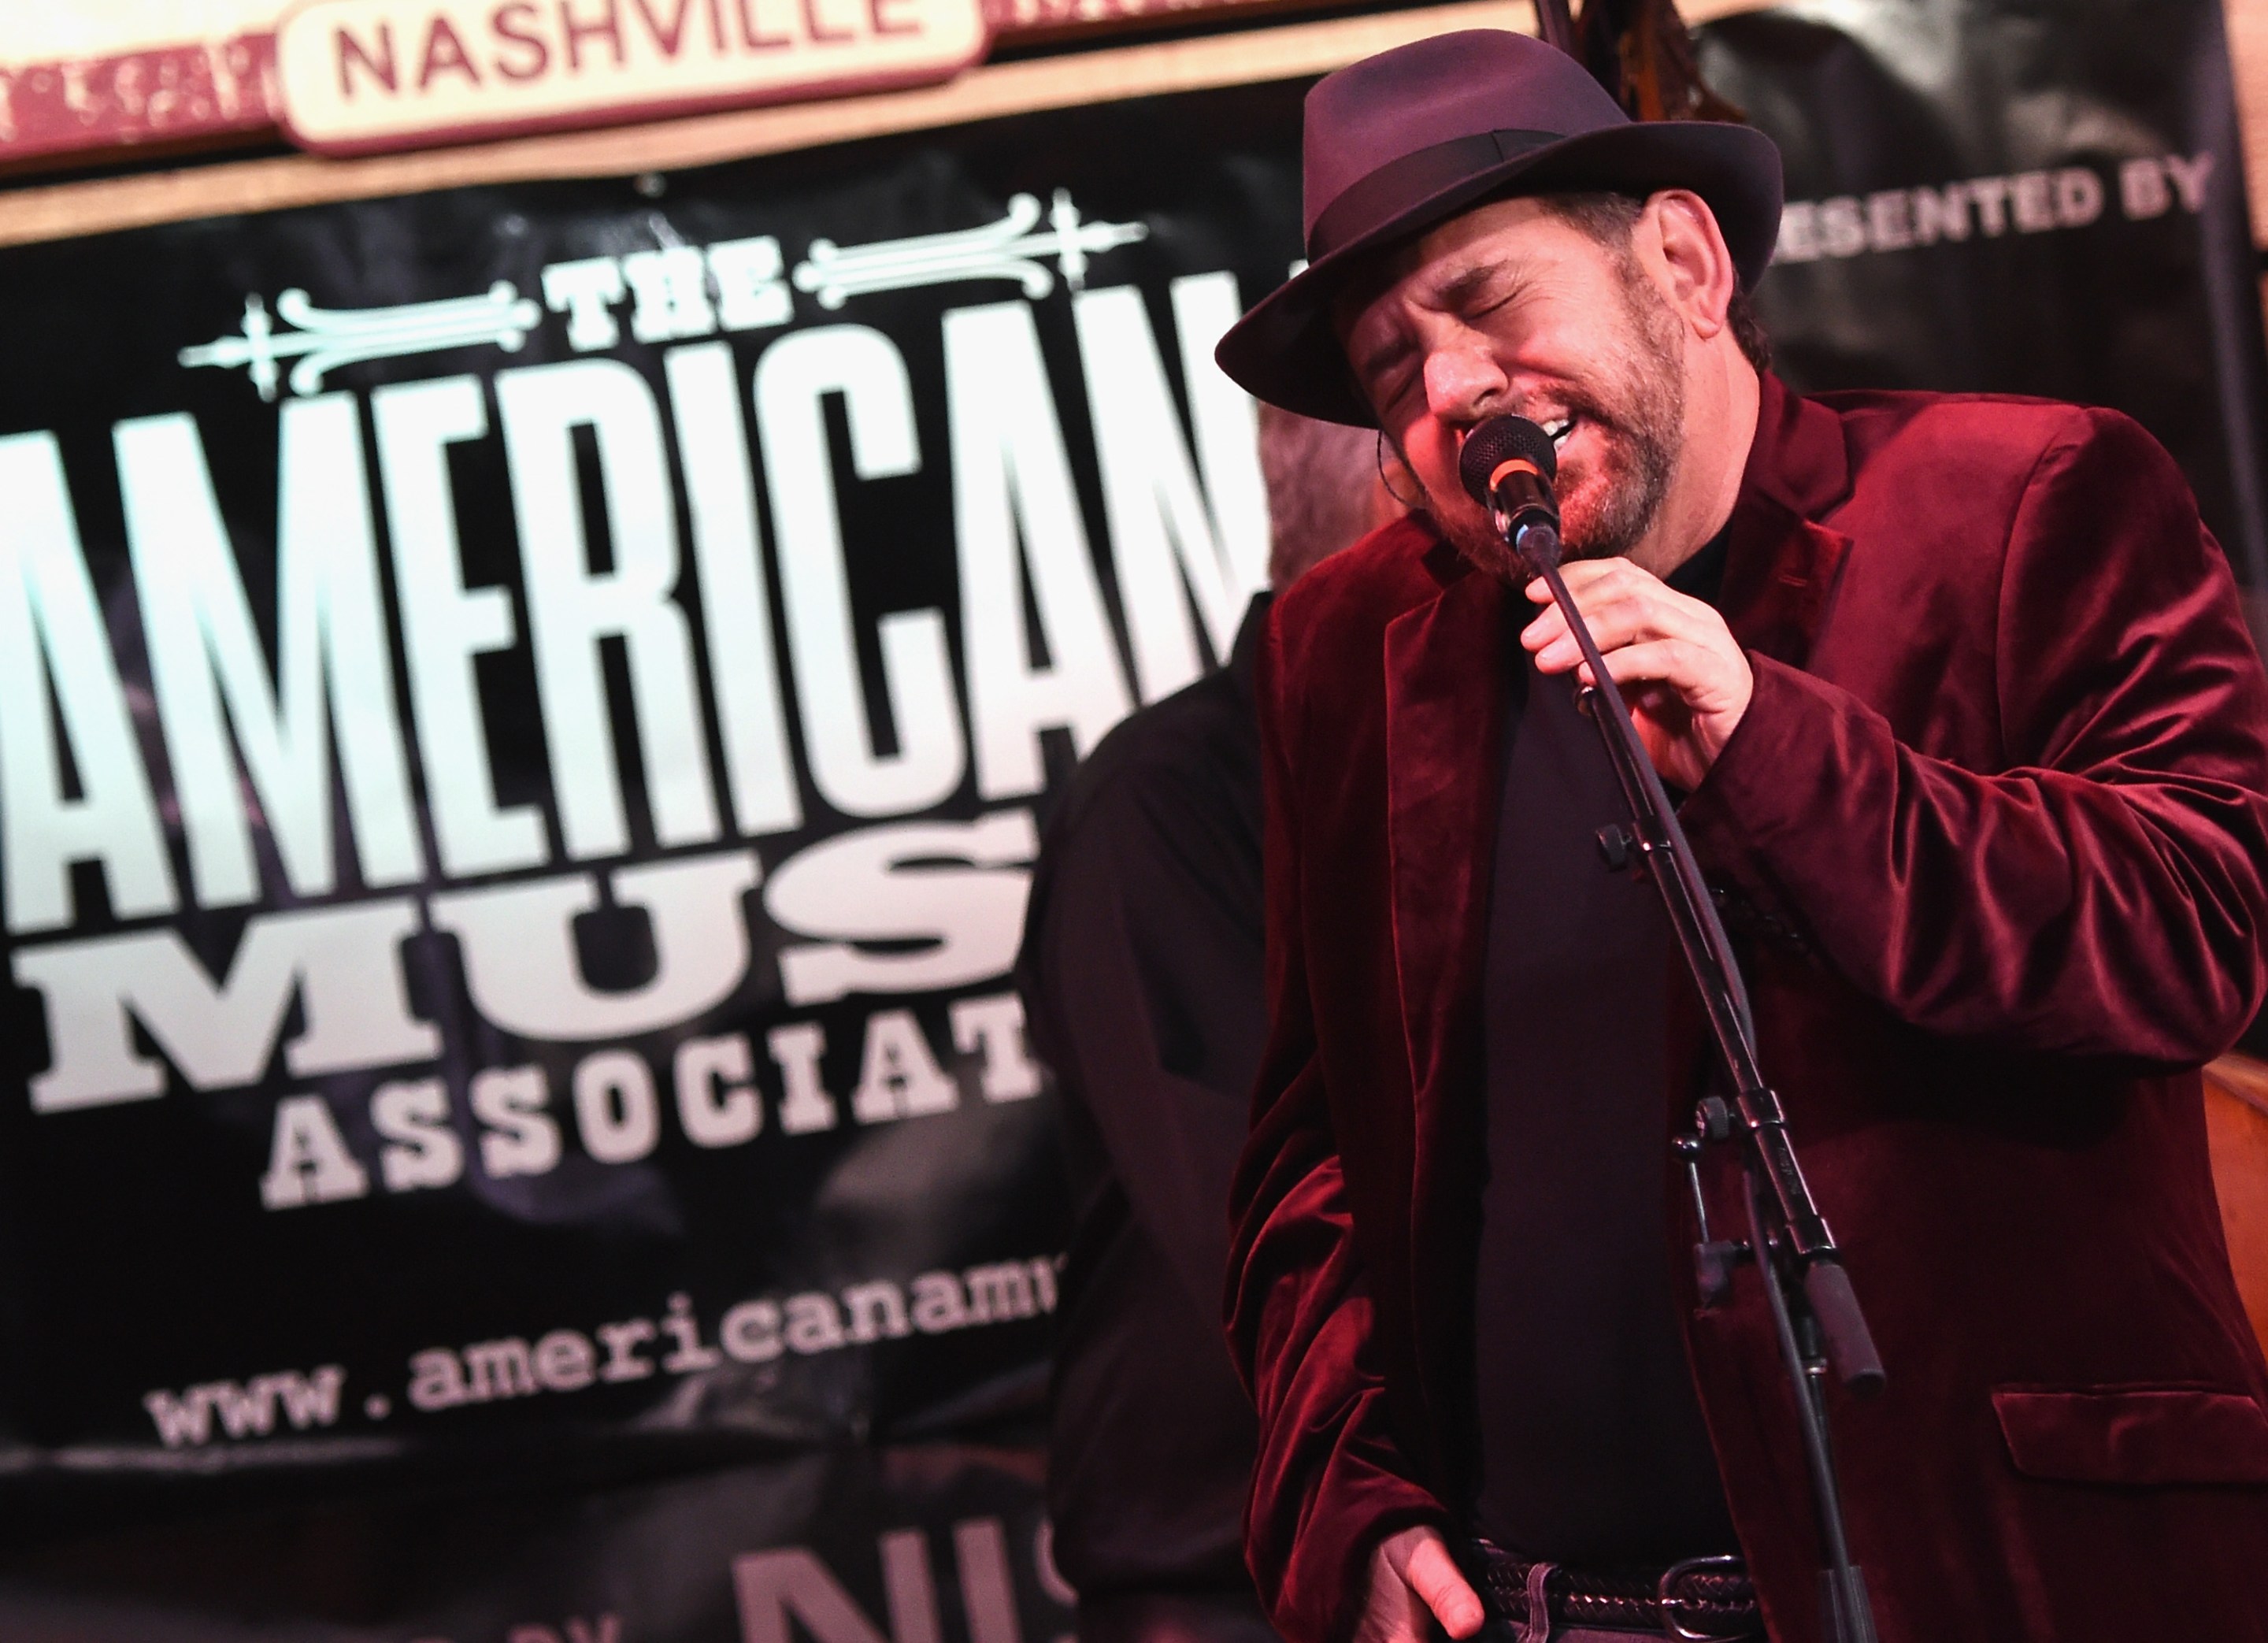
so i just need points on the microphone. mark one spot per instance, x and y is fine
(1507, 465)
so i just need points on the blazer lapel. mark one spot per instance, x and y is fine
(1445, 691)
(1444, 709)
(1780, 564)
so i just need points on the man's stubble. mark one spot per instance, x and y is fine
(1636, 397)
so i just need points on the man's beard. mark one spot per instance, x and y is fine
(1636, 398)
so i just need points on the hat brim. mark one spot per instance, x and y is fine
(1286, 352)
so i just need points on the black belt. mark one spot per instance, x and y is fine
(1701, 1600)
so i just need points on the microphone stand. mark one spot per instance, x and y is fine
(1814, 1312)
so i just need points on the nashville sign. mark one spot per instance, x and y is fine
(362, 75)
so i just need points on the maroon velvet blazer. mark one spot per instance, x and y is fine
(1995, 821)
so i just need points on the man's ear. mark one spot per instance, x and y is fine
(1688, 258)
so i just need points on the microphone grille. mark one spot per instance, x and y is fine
(1492, 443)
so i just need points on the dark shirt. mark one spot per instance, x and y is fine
(1592, 1450)
(1141, 973)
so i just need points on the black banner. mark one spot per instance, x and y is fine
(1985, 196)
(530, 710)
(944, 1541)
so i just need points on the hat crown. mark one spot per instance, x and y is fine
(1437, 90)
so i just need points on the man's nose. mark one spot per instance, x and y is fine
(1464, 382)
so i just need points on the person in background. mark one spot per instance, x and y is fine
(1141, 978)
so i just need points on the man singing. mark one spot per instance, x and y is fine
(1970, 738)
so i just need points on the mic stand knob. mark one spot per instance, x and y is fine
(1713, 1258)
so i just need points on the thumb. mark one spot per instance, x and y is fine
(1433, 1575)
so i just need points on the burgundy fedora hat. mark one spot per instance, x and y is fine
(1400, 141)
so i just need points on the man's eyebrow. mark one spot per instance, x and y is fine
(1457, 288)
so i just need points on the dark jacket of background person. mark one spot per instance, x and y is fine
(1142, 979)
(1995, 821)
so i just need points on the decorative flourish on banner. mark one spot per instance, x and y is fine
(326, 338)
(1008, 250)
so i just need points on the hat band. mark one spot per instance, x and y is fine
(1380, 196)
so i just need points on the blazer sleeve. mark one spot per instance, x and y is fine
(2102, 896)
(1329, 1482)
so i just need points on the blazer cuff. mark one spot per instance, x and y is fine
(1775, 778)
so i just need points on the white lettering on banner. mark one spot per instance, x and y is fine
(205, 656)
(877, 1311)
(519, 1137)
(808, 1324)
(2149, 187)
(343, 964)
(786, 1592)
(309, 1162)
(814, 1323)
(712, 442)
(805, 1105)
(523, 972)
(445, 625)
(2026, 202)
(672, 288)
(906, 1586)
(52, 634)
(839, 735)
(616, 1112)
(1011, 482)
(607, 1628)
(585, 291)
(752, 293)
(992, 1028)
(899, 1078)
(412, 1115)
(988, 1594)
(299, 753)
(622, 1341)
(1228, 424)
(1161, 538)
(782, 1592)
(717, 1100)
(572, 607)
(688, 1356)
(959, 884)
(743, 290)
(246, 1409)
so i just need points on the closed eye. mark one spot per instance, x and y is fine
(1387, 371)
(1482, 291)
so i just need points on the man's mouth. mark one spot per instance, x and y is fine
(1558, 431)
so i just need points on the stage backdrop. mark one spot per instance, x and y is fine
(528, 711)
(529, 716)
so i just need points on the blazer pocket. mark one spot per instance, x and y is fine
(2134, 1434)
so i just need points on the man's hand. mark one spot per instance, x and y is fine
(1413, 1583)
(1685, 678)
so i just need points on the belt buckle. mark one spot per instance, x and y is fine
(1672, 1627)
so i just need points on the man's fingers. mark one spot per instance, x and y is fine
(1582, 573)
(1669, 659)
(1433, 1575)
(1617, 627)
